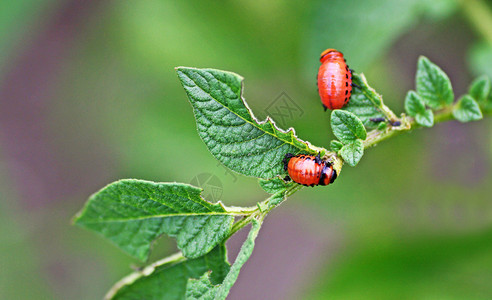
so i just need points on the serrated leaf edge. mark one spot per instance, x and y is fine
(269, 121)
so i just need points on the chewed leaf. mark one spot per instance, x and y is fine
(365, 103)
(433, 85)
(133, 213)
(369, 93)
(229, 129)
(201, 289)
(167, 279)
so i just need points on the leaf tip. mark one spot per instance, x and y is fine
(422, 59)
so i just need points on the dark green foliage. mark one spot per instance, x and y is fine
(133, 213)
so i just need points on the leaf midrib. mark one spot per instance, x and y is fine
(247, 121)
(161, 216)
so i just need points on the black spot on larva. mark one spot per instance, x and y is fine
(346, 76)
(346, 83)
(346, 99)
(346, 92)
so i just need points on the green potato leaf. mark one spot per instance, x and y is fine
(229, 129)
(433, 85)
(133, 213)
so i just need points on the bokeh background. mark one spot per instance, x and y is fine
(89, 95)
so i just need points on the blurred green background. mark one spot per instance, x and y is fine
(88, 95)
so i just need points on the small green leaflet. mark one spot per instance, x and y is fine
(415, 107)
(425, 118)
(335, 145)
(229, 129)
(364, 102)
(480, 89)
(167, 279)
(133, 213)
(347, 127)
(352, 152)
(467, 109)
(203, 289)
(414, 104)
(433, 85)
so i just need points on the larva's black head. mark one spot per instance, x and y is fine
(333, 175)
(328, 175)
(286, 160)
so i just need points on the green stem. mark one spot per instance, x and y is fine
(293, 189)
(390, 115)
(261, 210)
(240, 211)
(408, 124)
(479, 15)
(444, 115)
(240, 224)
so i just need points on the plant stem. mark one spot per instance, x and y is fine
(240, 211)
(408, 124)
(479, 15)
(240, 224)
(261, 210)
